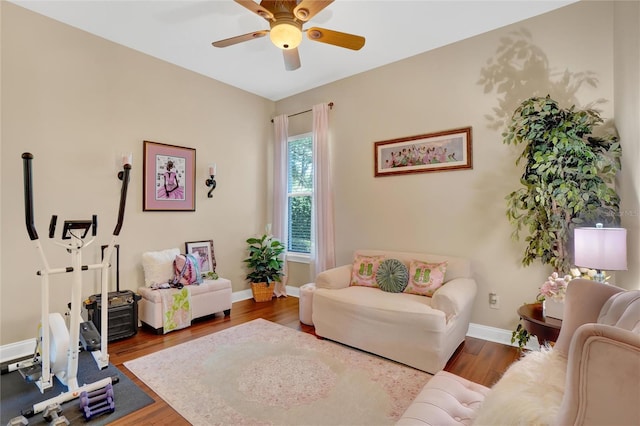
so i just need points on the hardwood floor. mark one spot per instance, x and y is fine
(477, 360)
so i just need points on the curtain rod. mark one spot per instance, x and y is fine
(305, 111)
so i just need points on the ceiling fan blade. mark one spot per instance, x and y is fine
(291, 59)
(307, 9)
(348, 41)
(239, 39)
(256, 8)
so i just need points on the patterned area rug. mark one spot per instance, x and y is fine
(262, 373)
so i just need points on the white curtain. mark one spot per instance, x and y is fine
(323, 255)
(279, 226)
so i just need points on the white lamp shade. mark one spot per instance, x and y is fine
(604, 249)
(285, 35)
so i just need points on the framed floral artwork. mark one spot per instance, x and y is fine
(432, 152)
(168, 177)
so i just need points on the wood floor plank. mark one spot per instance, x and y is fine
(477, 360)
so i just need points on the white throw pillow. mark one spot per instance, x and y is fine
(158, 266)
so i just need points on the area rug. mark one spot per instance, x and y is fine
(262, 373)
(17, 395)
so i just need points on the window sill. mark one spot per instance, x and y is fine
(299, 258)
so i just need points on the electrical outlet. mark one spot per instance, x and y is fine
(494, 300)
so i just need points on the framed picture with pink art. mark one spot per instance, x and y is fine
(168, 177)
(203, 251)
(431, 152)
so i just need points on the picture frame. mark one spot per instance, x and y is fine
(203, 251)
(168, 177)
(431, 152)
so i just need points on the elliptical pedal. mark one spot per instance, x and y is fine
(89, 337)
(31, 373)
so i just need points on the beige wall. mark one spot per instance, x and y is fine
(459, 212)
(627, 113)
(76, 101)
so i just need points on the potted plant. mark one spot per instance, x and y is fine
(265, 266)
(567, 182)
(567, 179)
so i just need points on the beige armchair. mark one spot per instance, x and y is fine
(590, 377)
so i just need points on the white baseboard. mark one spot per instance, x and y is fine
(24, 348)
(293, 291)
(497, 335)
(17, 350)
(246, 294)
(241, 295)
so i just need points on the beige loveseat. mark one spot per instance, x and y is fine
(419, 331)
(590, 377)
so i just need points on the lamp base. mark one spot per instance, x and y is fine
(600, 277)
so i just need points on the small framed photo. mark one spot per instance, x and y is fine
(432, 152)
(168, 178)
(203, 251)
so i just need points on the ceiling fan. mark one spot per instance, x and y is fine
(286, 18)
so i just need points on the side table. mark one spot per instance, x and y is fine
(546, 329)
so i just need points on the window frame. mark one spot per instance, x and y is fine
(296, 256)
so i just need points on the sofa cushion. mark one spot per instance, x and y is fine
(366, 302)
(158, 266)
(392, 276)
(425, 278)
(364, 270)
(445, 399)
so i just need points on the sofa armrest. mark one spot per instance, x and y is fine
(603, 361)
(455, 296)
(334, 278)
(582, 303)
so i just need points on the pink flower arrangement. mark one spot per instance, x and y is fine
(555, 287)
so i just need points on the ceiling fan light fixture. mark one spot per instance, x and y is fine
(285, 35)
(302, 14)
(314, 34)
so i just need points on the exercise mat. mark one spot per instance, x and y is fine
(17, 395)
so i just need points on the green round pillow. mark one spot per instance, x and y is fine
(392, 276)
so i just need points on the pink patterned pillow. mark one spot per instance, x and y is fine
(364, 270)
(425, 278)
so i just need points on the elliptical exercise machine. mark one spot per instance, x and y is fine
(59, 347)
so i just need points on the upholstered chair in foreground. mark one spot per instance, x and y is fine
(590, 377)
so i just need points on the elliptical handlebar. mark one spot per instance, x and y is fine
(27, 159)
(28, 196)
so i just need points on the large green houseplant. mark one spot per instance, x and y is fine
(265, 265)
(567, 179)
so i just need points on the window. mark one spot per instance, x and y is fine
(299, 193)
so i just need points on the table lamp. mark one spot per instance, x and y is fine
(600, 248)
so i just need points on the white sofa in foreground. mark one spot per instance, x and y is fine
(419, 331)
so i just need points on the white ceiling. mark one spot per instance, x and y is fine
(181, 32)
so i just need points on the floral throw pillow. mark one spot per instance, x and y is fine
(425, 278)
(364, 270)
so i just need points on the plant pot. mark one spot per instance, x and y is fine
(553, 309)
(262, 292)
